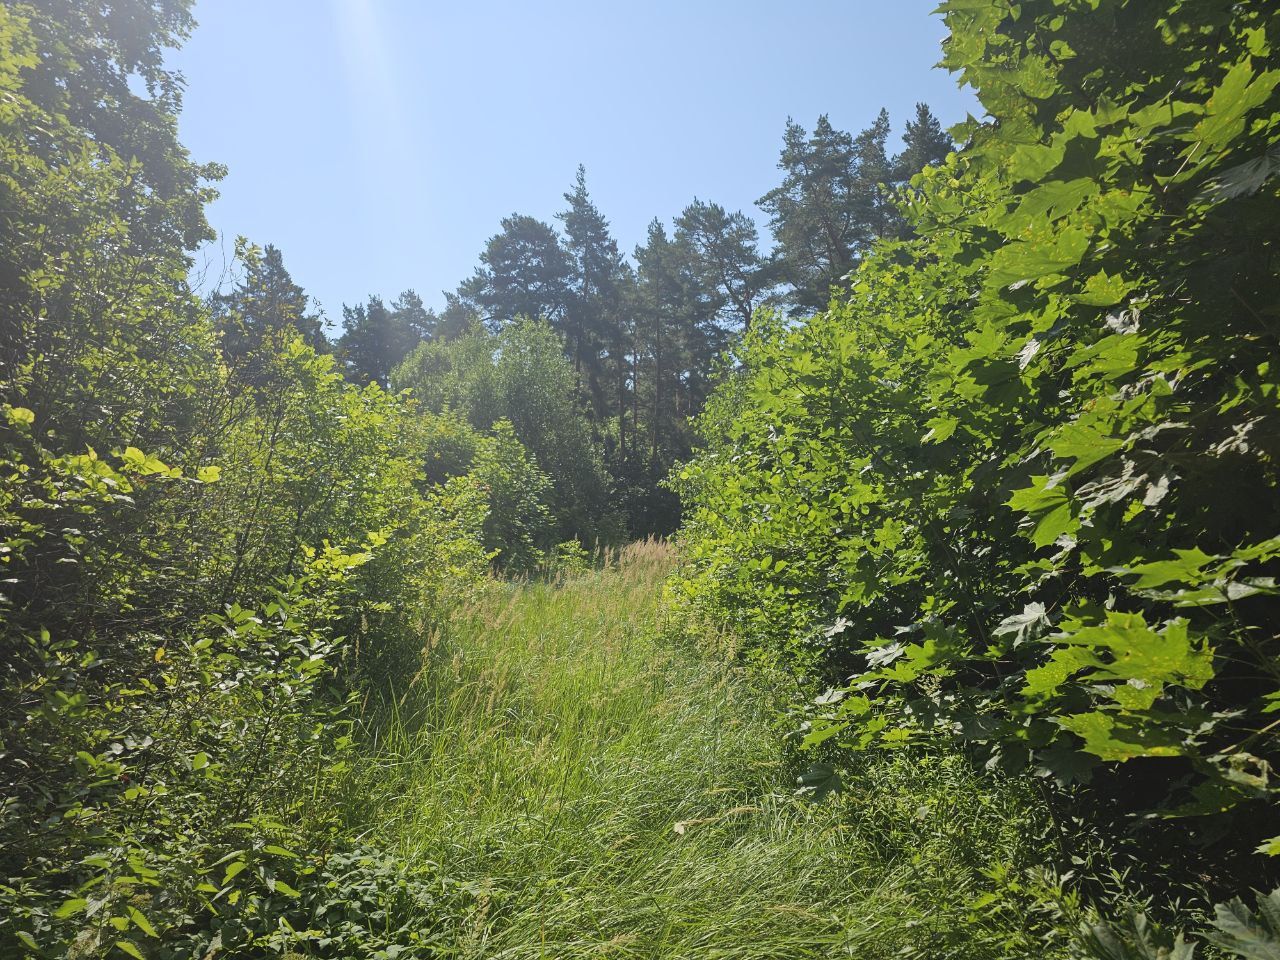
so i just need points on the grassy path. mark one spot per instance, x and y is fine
(604, 794)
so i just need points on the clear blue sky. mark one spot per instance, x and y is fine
(379, 142)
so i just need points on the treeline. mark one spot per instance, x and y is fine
(643, 336)
(1016, 490)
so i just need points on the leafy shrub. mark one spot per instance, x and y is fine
(202, 570)
(520, 374)
(1017, 485)
(518, 526)
(566, 560)
(450, 444)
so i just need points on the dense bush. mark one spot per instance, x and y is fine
(201, 568)
(1017, 485)
(518, 528)
(520, 375)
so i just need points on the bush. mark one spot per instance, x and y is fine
(518, 526)
(1016, 486)
(520, 375)
(201, 570)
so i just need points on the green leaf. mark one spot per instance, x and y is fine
(819, 781)
(1083, 443)
(1054, 200)
(1241, 91)
(1244, 179)
(1104, 290)
(1111, 738)
(143, 923)
(1188, 568)
(233, 871)
(941, 428)
(1255, 936)
(19, 417)
(1048, 507)
(1023, 626)
(1039, 256)
(1045, 681)
(1139, 653)
(71, 907)
(130, 948)
(1065, 766)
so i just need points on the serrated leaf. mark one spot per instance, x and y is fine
(1119, 739)
(819, 781)
(233, 871)
(71, 907)
(1242, 932)
(1023, 626)
(143, 923)
(1031, 259)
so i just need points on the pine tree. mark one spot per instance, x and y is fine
(837, 198)
(264, 305)
(925, 144)
(875, 216)
(814, 213)
(524, 272)
(725, 252)
(376, 337)
(601, 334)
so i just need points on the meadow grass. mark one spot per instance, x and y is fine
(602, 790)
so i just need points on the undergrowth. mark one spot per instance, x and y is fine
(594, 787)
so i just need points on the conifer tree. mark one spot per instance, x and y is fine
(260, 308)
(378, 337)
(600, 330)
(724, 250)
(836, 198)
(925, 144)
(814, 211)
(524, 272)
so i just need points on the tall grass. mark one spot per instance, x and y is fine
(603, 791)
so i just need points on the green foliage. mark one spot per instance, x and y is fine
(449, 444)
(1136, 941)
(835, 201)
(211, 542)
(1241, 932)
(565, 561)
(377, 337)
(1237, 932)
(520, 375)
(1017, 487)
(518, 527)
(265, 305)
(129, 791)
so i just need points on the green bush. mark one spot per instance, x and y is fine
(1017, 485)
(201, 571)
(518, 526)
(520, 375)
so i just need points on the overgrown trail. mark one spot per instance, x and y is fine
(588, 789)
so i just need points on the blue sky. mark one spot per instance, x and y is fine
(379, 142)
